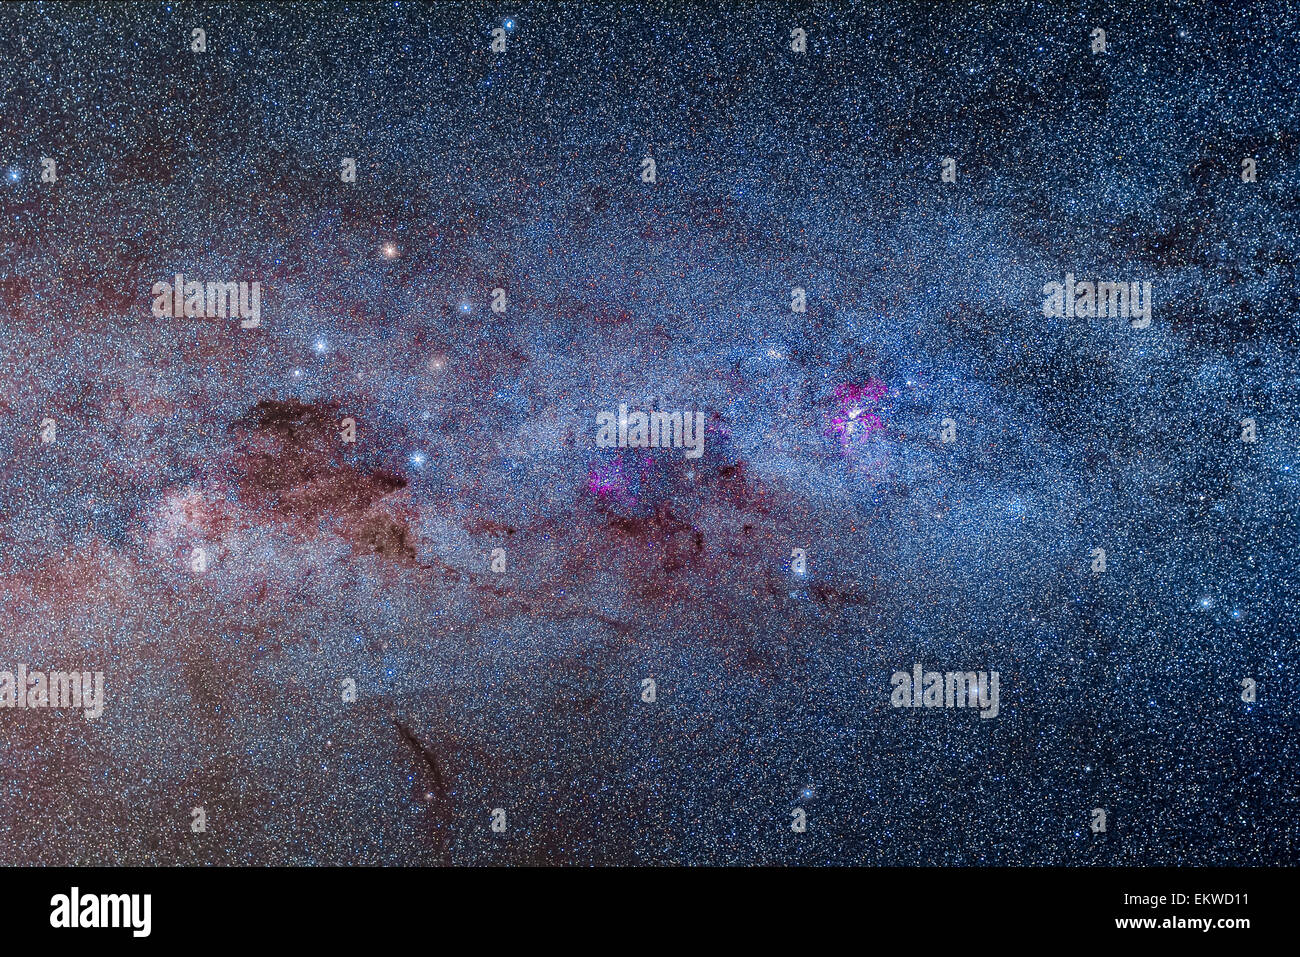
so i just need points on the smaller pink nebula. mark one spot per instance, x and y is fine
(611, 482)
(853, 419)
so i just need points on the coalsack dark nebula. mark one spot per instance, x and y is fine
(962, 573)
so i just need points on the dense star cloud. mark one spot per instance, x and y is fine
(917, 465)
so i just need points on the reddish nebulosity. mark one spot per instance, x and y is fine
(486, 526)
(490, 361)
(584, 312)
(644, 527)
(734, 483)
(72, 578)
(611, 317)
(853, 420)
(192, 513)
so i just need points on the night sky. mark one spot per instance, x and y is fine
(328, 561)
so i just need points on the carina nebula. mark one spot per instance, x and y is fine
(649, 434)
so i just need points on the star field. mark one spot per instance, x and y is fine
(513, 679)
